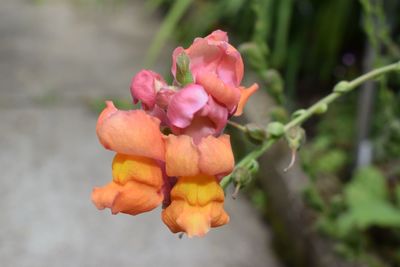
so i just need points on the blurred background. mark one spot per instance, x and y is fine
(338, 206)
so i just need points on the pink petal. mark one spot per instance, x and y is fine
(204, 56)
(185, 103)
(218, 35)
(160, 114)
(224, 94)
(210, 120)
(213, 54)
(198, 129)
(163, 98)
(216, 113)
(175, 54)
(144, 87)
(230, 69)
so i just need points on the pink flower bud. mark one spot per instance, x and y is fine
(144, 87)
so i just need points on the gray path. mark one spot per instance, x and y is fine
(53, 57)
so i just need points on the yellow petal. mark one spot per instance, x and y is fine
(144, 170)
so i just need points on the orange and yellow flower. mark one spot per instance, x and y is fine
(137, 175)
(197, 204)
(197, 199)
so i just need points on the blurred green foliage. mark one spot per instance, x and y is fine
(362, 211)
(97, 105)
(365, 205)
(303, 39)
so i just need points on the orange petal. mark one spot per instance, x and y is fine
(181, 156)
(216, 156)
(131, 198)
(229, 96)
(197, 204)
(103, 197)
(245, 94)
(136, 186)
(130, 132)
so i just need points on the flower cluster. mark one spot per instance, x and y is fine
(181, 170)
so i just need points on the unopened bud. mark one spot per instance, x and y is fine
(321, 108)
(183, 74)
(341, 87)
(275, 129)
(254, 167)
(255, 133)
(241, 177)
(295, 137)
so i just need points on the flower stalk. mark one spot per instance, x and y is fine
(340, 89)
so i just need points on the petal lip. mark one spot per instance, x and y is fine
(109, 110)
(245, 94)
(185, 103)
(132, 198)
(130, 132)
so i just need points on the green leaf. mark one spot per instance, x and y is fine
(367, 185)
(368, 201)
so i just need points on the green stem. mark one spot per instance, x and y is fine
(347, 87)
(340, 89)
(237, 126)
(258, 152)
